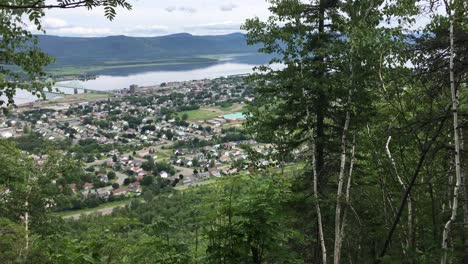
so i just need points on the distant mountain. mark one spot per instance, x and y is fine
(73, 51)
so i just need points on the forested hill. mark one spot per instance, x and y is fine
(79, 51)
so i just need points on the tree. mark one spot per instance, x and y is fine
(11, 241)
(111, 175)
(250, 229)
(126, 181)
(332, 51)
(148, 165)
(90, 159)
(147, 180)
(19, 46)
(115, 185)
(30, 190)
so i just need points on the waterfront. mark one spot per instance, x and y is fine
(115, 81)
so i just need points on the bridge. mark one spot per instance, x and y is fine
(53, 95)
(76, 86)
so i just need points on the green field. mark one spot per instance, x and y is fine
(199, 115)
(210, 112)
(233, 125)
(84, 96)
(66, 214)
(163, 154)
(185, 187)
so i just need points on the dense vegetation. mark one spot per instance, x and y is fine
(376, 114)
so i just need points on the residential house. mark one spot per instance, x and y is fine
(120, 191)
(163, 174)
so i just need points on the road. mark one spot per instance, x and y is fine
(120, 177)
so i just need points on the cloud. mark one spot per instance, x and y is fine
(58, 26)
(170, 9)
(226, 26)
(146, 30)
(81, 31)
(184, 9)
(228, 7)
(187, 9)
(53, 23)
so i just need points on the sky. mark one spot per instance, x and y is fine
(156, 18)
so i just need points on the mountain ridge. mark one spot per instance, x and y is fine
(79, 51)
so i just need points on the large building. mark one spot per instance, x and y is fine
(133, 88)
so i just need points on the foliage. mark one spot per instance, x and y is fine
(366, 108)
(23, 59)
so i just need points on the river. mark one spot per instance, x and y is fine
(144, 76)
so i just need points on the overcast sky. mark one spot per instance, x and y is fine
(157, 17)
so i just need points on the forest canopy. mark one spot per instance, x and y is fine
(367, 119)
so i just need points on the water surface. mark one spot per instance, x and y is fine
(114, 79)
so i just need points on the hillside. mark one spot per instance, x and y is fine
(73, 51)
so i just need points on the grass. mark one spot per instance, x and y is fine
(226, 109)
(238, 125)
(208, 113)
(163, 154)
(66, 214)
(185, 187)
(199, 115)
(82, 96)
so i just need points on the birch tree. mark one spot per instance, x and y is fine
(456, 135)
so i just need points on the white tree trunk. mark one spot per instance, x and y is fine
(339, 192)
(26, 227)
(409, 237)
(455, 104)
(315, 188)
(26, 219)
(317, 208)
(348, 195)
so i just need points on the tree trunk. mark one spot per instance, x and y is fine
(26, 228)
(26, 219)
(318, 146)
(434, 213)
(320, 109)
(339, 192)
(348, 198)
(317, 208)
(424, 151)
(455, 104)
(465, 203)
(409, 238)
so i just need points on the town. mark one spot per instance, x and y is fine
(172, 135)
